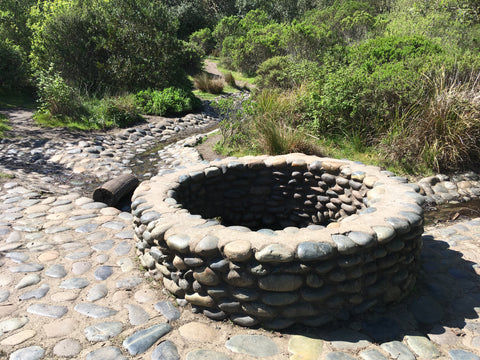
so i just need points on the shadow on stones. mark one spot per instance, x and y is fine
(447, 295)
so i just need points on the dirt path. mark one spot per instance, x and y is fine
(212, 69)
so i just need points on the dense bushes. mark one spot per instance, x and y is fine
(13, 67)
(112, 46)
(169, 101)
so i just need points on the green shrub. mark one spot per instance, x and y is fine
(203, 38)
(55, 95)
(3, 124)
(117, 111)
(169, 101)
(13, 67)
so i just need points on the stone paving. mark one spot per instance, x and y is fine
(71, 286)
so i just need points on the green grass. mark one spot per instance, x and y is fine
(10, 100)
(3, 124)
(45, 119)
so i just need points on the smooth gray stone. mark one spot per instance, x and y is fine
(361, 238)
(129, 282)
(30, 279)
(4, 295)
(103, 272)
(123, 248)
(253, 345)
(28, 353)
(114, 225)
(167, 309)
(103, 331)
(53, 311)
(128, 234)
(86, 228)
(165, 351)
(125, 216)
(74, 283)
(94, 205)
(427, 310)
(142, 340)
(36, 294)
(17, 257)
(56, 271)
(149, 217)
(136, 314)
(94, 311)
(106, 353)
(207, 355)
(57, 229)
(458, 354)
(179, 242)
(82, 217)
(338, 355)
(103, 246)
(311, 251)
(97, 292)
(78, 255)
(372, 355)
(400, 225)
(344, 244)
(398, 350)
(26, 268)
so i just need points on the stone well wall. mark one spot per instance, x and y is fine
(281, 240)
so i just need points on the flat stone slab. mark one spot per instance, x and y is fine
(142, 340)
(94, 311)
(207, 355)
(28, 353)
(53, 311)
(165, 351)
(305, 348)
(103, 331)
(167, 309)
(106, 353)
(253, 345)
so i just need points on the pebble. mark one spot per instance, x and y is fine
(28, 280)
(458, 354)
(12, 324)
(103, 272)
(56, 271)
(253, 345)
(398, 350)
(80, 268)
(142, 340)
(4, 295)
(422, 347)
(60, 328)
(53, 311)
(67, 348)
(106, 353)
(35, 294)
(207, 355)
(167, 309)
(103, 331)
(94, 311)
(165, 351)
(74, 283)
(304, 348)
(128, 283)
(97, 292)
(136, 314)
(372, 354)
(28, 353)
(18, 338)
(338, 355)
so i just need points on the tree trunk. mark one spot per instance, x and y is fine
(112, 191)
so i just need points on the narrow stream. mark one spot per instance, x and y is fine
(453, 212)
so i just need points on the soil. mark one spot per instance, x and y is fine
(206, 147)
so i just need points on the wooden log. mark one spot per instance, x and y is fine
(112, 191)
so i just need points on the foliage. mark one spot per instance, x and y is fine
(14, 16)
(203, 38)
(230, 79)
(115, 45)
(116, 111)
(169, 101)
(206, 83)
(442, 129)
(55, 95)
(13, 67)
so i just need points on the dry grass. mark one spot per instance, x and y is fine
(205, 83)
(230, 80)
(442, 130)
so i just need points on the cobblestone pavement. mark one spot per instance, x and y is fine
(71, 285)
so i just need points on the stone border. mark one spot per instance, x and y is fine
(308, 275)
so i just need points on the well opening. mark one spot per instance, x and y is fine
(302, 239)
(259, 197)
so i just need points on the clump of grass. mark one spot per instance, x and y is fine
(230, 80)
(442, 130)
(205, 83)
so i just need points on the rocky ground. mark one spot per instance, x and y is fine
(71, 285)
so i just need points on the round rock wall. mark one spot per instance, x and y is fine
(281, 240)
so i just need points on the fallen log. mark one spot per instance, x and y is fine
(112, 191)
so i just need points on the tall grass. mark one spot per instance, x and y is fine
(274, 125)
(441, 130)
(205, 83)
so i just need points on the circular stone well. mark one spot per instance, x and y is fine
(281, 240)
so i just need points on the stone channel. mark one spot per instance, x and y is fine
(72, 285)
